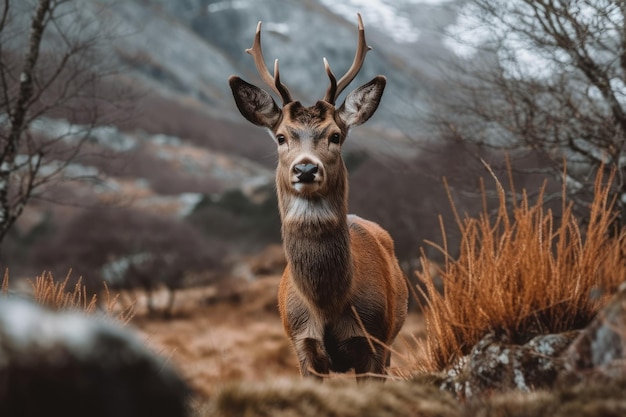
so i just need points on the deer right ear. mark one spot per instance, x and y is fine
(255, 104)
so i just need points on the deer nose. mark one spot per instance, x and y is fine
(305, 172)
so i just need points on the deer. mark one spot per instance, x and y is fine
(342, 297)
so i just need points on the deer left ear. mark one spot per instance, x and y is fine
(361, 103)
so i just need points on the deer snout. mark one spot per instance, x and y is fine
(305, 172)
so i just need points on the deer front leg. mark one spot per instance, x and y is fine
(306, 332)
(313, 358)
(368, 360)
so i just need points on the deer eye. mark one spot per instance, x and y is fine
(335, 138)
(281, 139)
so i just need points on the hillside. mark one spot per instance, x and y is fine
(171, 141)
(217, 337)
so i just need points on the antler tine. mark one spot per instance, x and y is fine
(331, 92)
(359, 57)
(281, 89)
(273, 82)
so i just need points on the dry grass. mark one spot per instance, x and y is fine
(523, 272)
(335, 397)
(55, 294)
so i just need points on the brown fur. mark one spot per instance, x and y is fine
(377, 291)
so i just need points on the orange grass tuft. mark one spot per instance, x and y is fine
(522, 272)
(55, 294)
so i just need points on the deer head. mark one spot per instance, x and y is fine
(308, 139)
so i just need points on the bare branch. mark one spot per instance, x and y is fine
(5, 14)
(52, 79)
(571, 113)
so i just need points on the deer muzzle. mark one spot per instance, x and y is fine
(305, 173)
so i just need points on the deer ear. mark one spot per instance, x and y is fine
(255, 104)
(361, 103)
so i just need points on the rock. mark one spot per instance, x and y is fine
(584, 399)
(70, 364)
(595, 353)
(496, 364)
(599, 351)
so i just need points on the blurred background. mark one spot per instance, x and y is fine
(130, 163)
(160, 173)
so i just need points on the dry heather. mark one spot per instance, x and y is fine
(341, 398)
(523, 272)
(56, 295)
(334, 397)
(588, 399)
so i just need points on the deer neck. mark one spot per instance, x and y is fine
(317, 246)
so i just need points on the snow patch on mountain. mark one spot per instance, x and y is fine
(387, 15)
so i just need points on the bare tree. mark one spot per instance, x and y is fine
(49, 71)
(546, 77)
(131, 249)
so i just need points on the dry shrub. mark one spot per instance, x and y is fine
(302, 398)
(586, 399)
(55, 294)
(522, 272)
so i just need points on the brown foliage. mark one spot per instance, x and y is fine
(334, 397)
(304, 398)
(48, 292)
(156, 249)
(524, 273)
(55, 294)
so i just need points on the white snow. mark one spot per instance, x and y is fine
(108, 136)
(518, 55)
(26, 324)
(225, 5)
(382, 14)
(519, 58)
(189, 201)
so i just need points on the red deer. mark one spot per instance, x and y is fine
(342, 288)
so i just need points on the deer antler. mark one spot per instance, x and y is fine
(273, 82)
(335, 88)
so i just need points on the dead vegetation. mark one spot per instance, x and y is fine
(524, 272)
(54, 294)
(336, 397)
(290, 398)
